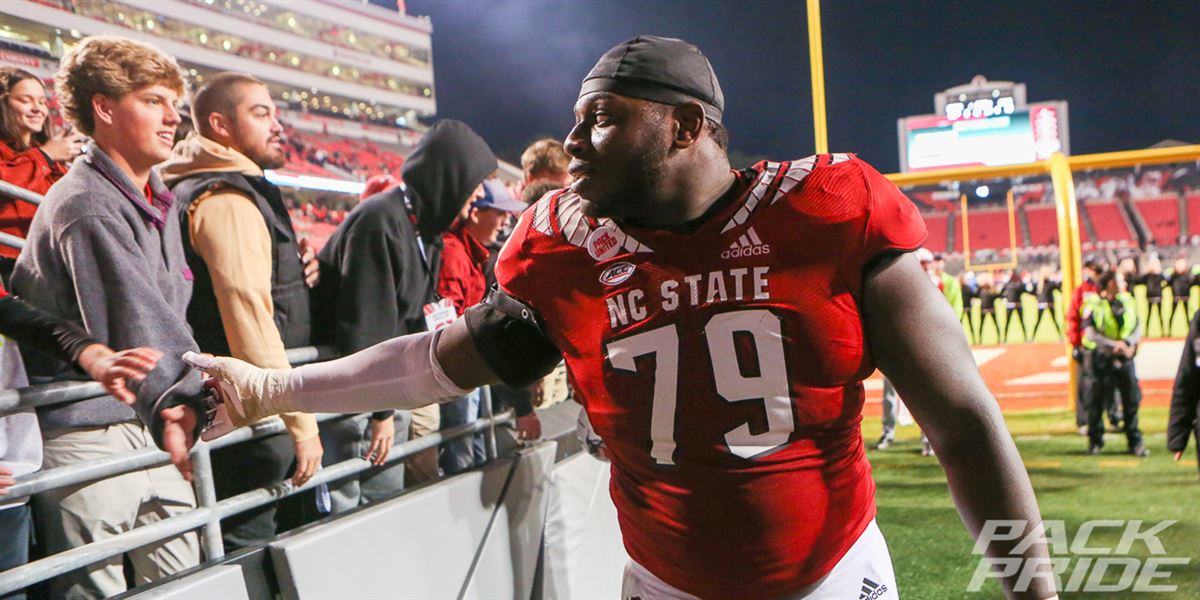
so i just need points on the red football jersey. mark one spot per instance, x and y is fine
(723, 368)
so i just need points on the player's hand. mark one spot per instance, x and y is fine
(1179, 456)
(254, 393)
(383, 437)
(308, 459)
(178, 437)
(7, 480)
(312, 268)
(115, 369)
(529, 427)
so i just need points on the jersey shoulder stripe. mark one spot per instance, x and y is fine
(799, 170)
(541, 212)
(778, 179)
(559, 216)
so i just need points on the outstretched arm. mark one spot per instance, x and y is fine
(926, 357)
(488, 345)
(403, 372)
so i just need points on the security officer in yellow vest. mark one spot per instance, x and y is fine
(1110, 339)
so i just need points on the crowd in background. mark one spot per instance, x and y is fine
(1001, 301)
(162, 239)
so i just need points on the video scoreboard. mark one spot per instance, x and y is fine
(983, 124)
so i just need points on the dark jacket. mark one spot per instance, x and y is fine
(1045, 290)
(1181, 284)
(1014, 288)
(29, 326)
(1154, 283)
(1185, 398)
(380, 267)
(289, 294)
(987, 298)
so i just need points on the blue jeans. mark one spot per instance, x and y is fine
(350, 437)
(467, 452)
(14, 541)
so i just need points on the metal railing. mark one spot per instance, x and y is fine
(20, 193)
(209, 511)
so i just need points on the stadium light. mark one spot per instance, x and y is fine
(308, 182)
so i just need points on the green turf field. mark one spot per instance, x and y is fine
(931, 550)
(1046, 333)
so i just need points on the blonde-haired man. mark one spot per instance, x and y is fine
(104, 250)
(545, 160)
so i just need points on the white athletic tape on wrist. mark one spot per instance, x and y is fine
(260, 392)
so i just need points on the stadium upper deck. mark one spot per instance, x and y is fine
(355, 60)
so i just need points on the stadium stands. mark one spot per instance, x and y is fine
(1043, 224)
(1162, 216)
(988, 229)
(338, 158)
(1193, 211)
(936, 225)
(1109, 223)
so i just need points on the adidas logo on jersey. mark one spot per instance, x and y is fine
(747, 245)
(871, 590)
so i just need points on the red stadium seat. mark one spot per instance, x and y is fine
(935, 224)
(1043, 224)
(1193, 208)
(1109, 223)
(1162, 217)
(989, 229)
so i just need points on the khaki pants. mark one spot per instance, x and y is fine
(423, 466)
(94, 511)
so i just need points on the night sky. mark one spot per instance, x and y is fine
(1129, 70)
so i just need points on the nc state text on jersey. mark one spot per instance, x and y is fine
(730, 285)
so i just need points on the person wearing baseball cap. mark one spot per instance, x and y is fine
(497, 198)
(462, 282)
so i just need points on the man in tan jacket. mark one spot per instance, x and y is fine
(252, 278)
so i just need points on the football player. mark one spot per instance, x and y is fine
(718, 325)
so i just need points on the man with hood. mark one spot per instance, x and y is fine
(250, 297)
(380, 268)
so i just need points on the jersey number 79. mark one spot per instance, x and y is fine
(770, 386)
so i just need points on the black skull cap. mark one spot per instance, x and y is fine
(666, 70)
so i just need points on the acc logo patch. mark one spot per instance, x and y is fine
(617, 274)
(603, 244)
